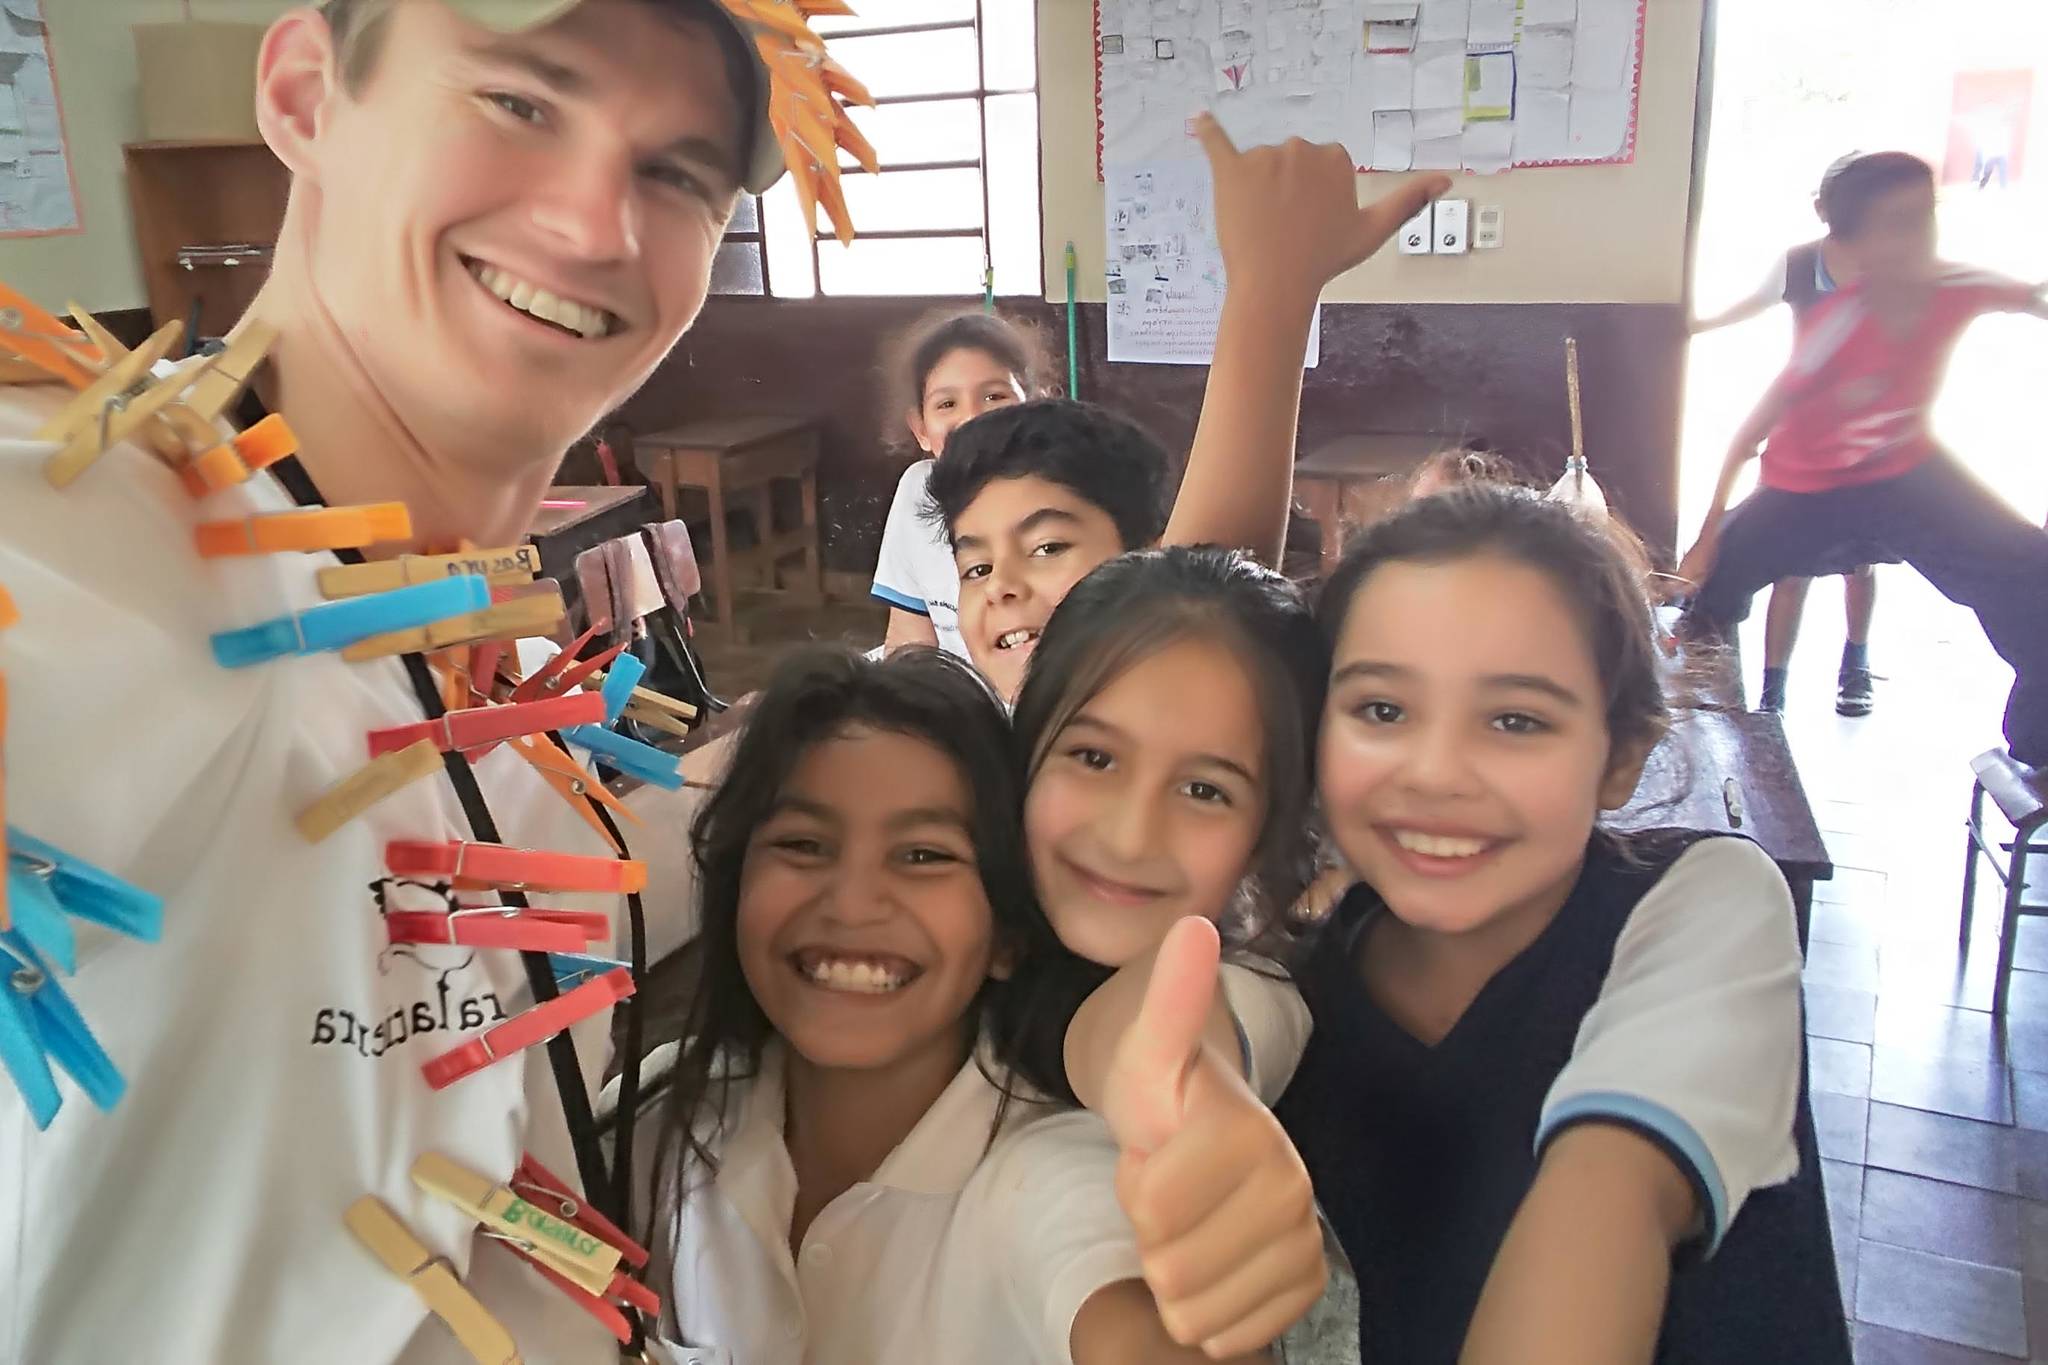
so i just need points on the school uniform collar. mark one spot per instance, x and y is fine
(935, 1158)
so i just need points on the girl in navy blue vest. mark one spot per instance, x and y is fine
(1551, 1098)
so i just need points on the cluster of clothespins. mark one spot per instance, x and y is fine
(574, 1247)
(805, 102)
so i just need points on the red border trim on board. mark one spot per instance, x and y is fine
(1626, 156)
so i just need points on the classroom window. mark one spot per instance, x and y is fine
(956, 131)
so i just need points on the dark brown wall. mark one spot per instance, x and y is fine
(1488, 371)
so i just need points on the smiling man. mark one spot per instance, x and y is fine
(502, 216)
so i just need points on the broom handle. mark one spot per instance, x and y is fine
(1571, 384)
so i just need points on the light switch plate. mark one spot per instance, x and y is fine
(1489, 226)
(1453, 227)
(1413, 238)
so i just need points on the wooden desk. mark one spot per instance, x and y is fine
(742, 457)
(1356, 479)
(586, 517)
(1705, 752)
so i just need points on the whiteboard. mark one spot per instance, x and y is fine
(1478, 85)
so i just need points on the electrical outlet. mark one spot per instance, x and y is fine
(1489, 226)
(1453, 227)
(1414, 236)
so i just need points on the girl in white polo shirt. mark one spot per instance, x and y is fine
(844, 1175)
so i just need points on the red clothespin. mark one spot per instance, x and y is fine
(475, 867)
(536, 1025)
(543, 1186)
(565, 670)
(496, 926)
(479, 727)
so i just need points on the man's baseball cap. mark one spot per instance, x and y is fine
(765, 162)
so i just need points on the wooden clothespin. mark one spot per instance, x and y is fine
(109, 347)
(217, 390)
(657, 710)
(118, 418)
(382, 776)
(536, 613)
(83, 413)
(433, 1279)
(506, 567)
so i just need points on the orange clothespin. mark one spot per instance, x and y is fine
(41, 340)
(574, 784)
(315, 528)
(234, 460)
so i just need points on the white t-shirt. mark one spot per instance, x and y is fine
(272, 1041)
(1272, 1024)
(1695, 1034)
(915, 571)
(954, 1251)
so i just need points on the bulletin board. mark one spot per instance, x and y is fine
(38, 195)
(1477, 85)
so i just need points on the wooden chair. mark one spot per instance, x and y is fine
(2021, 795)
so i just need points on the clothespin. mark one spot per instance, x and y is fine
(46, 886)
(643, 762)
(82, 413)
(489, 867)
(307, 529)
(109, 347)
(9, 614)
(542, 1187)
(655, 709)
(218, 389)
(480, 726)
(339, 625)
(382, 776)
(42, 340)
(433, 1279)
(618, 686)
(234, 460)
(522, 1031)
(565, 671)
(119, 417)
(38, 1025)
(584, 1257)
(516, 618)
(501, 568)
(498, 926)
(572, 969)
(574, 784)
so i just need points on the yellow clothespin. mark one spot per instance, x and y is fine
(217, 391)
(119, 419)
(501, 568)
(365, 787)
(433, 1279)
(516, 619)
(109, 346)
(656, 710)
(587, 1260)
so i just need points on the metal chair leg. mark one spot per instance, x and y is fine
(1971, 833)
(2008, 936)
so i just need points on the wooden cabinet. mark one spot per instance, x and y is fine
(200, 208)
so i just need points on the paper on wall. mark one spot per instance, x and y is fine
(1390, 37)
(1605, 40)
(1543, 59)
(1446, 21)
(1164, 266)
(1390, 81)
(1391, 11)
(1549, 12)
(1393, 140)
(1489, 148)
(1436, 123)
(1543, 126)
(1492, 23)
(1440, 76)
(1599, 123)
(1489, 86)
(1439, 153)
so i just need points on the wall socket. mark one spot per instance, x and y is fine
(1414, 236)
(1489, 226)
(1453, 227)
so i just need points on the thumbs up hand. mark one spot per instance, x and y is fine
(1288, 217)
(1218, 1196)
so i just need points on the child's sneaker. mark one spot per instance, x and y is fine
(1853, 692)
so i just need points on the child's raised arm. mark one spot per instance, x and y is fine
(1288, 221)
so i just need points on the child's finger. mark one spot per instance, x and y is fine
(1264, 1295)
(1257, 1215)
(1383, 217)
(1270, 1322)
(1214, 140)
(1229, 1140)
(1152, 1061)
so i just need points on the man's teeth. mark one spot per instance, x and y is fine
(579, 318)
(1010, 639)
(863, 978)
(1439, 845)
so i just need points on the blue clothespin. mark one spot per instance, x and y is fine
(336, 625)
(653, 766)
(573, 969)
(45, 886)
(38, 1024)
(625, 675)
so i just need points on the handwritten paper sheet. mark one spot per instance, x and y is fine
(1165, 268)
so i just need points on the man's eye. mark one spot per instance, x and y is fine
(519, 107)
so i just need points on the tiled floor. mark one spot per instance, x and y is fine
(1933, 1121)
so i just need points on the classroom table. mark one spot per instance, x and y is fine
(1356, 479)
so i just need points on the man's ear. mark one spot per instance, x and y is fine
(1625, 773)
(296, 77)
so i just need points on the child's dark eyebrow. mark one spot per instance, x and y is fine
(1370, 668)
(1045, 516)
(929, 815)
(1084, 721)
(1534, 682)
